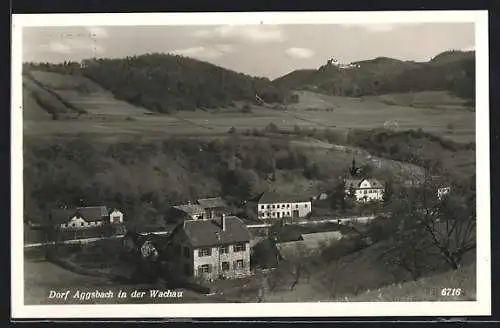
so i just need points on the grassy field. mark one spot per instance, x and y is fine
(107, 115)
(40, 277)
(361, 277)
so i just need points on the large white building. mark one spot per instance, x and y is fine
(364, 190)
(274, 206)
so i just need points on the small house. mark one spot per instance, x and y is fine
(214, 207)
(79, 218)
(364, 190)
(187, 211)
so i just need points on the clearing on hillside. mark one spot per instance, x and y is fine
(83, 93)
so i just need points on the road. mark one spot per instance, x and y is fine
(263, 225)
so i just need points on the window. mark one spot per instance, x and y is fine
(305, 205)
(262, 207)
(261, 213)
(287, 205)
(205, 268)
(274, 206)
(287, 213)
(204, 252)
(239, 264)
(296, 205)
(283, 206)
(274, 214)
(225, 266)
(239, 247)
(364, 192)
(268, 206)
(224, 250)
(81, 224)
(186, 252)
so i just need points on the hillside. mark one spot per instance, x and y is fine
(167, 83)
(451, 71)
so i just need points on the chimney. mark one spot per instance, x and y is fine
(223, 222)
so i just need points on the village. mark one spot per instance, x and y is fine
(208, 239)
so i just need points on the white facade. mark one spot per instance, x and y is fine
(116, 217)
(283, 210)
(79, 222)
(366, 191)
(441, 192)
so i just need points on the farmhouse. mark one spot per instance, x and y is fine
(187, 211)
(364, 190)
(273, 205)
(83, 217)
(211, 249)
(214, 207)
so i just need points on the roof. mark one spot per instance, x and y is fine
(191, 209)
(93, 213)
(90, 213)
(355, 183)
(310, 243)
(204, 232)
(216, 202)
(273, 197)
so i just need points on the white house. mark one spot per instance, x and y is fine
(442, 191)
(84, 217)
(211, 249)
(272, 205)
(364, 190)
(116, 217)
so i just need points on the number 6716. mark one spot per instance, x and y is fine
(451, 292)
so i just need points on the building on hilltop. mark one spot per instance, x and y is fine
(211, 249)
(272, 205)
(364, 190)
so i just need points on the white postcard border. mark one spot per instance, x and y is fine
(324, 309)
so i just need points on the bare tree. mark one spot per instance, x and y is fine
(447, 223)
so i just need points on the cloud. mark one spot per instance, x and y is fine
(73, 45)
(203, 52)
(252, 33)
(300, 53)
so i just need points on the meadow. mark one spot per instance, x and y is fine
(107, 115)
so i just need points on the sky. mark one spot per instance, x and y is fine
(259, 50)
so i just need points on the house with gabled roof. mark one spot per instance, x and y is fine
(214, 207)
(187, 211)
(80, 217)
(272, 205)
(364, 189)
(211, 249)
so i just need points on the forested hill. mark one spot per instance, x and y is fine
(166, 83)
(452, 71)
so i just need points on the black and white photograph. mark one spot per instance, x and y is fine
(250, 164)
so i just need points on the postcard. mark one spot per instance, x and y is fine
(226, 165)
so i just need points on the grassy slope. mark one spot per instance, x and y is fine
(85, 94)
(425, 289)
(340, 113)
(359, 276)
